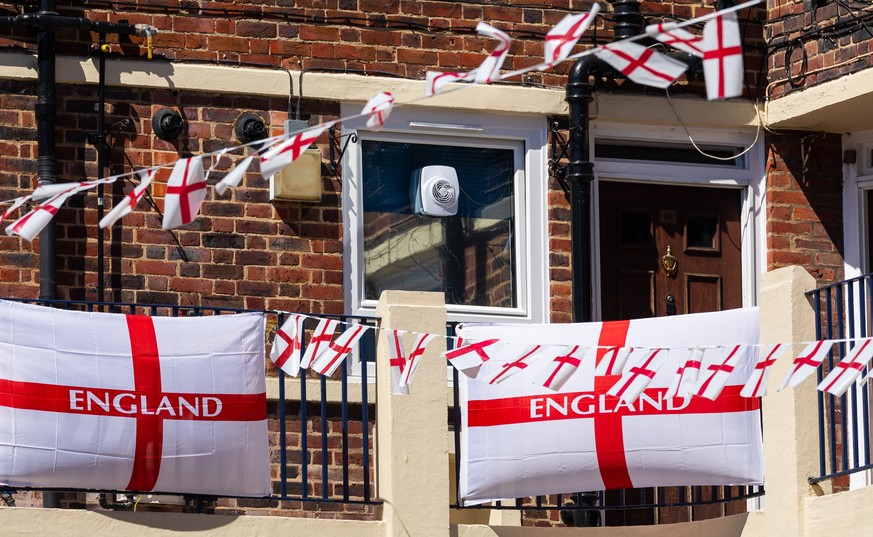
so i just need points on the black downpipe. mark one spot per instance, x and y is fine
(46, 166)
(580, 173)
(47, 159)
(101, 157)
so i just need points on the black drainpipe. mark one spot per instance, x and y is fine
(580, 170)
(580, 173)
(47, 160)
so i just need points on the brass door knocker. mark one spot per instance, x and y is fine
(669, 262)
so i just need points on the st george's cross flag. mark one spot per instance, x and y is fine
(685, 380)
(283, 154)
(807, 362)
(129, 402)
(435, 81)
(28, 226)
(677, 38)
(844, 372)
(723, 57)
(328, 361)
(521, 439)
(756, 385)
(287, 345)
(377, 110)
(489, 70)
(186, 190)
(130, 201)
(563, 37)
(641, 64)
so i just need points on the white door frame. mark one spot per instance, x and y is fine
(751, 181)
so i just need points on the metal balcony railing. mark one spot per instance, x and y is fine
(843, 312)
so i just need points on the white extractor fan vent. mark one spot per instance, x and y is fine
(434, 191)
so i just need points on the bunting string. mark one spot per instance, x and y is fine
(719, 47)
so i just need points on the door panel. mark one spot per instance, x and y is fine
(698, 226)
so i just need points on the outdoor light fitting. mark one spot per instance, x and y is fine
(249, 127)
(167, 124)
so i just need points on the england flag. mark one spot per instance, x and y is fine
(130, 402)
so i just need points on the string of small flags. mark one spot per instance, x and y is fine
(719, 46)
(632, 368)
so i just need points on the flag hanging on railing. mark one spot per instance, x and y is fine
(287, 345)
(129, 402)
(521, 439)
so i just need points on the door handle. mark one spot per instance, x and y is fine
(670, 306)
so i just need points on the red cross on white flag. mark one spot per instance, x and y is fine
(756, 386)
(558, 371)
(28, 226)
(330, 359)
(582, 438)
(16, 203)
(642, 65)
(638, 376)
(435, 81)
(287, 345)
(186, 190)
(518, 363)
(563, 37)
(806, 363)
(50, 190)
(847, 370)
(396, 360)
(319, 341)
(716, 374)
(234, 177)
(413, 359)
(723, 57)
(489, 70)
(127, 204)
(472, 355)
(131, 402)
(685, 380)
(290, 150)
(611, 360)
(677, 38)
(378, 108)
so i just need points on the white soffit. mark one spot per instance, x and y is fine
(615, 107)
(842, 105)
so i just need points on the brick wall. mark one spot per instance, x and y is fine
(817, 44)
(804, 203)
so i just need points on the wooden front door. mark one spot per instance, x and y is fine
(669, 250)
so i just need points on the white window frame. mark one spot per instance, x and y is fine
(857, 182)
(750, 180)
(528, 134)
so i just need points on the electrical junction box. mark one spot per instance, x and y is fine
(299, 181)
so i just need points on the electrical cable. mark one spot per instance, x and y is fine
(798, 81)
(704, 153)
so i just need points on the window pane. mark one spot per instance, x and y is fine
(470, 256)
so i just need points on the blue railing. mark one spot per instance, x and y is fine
(843, 312)
(332, 431)
(642, 506)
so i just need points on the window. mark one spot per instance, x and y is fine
(489, 259)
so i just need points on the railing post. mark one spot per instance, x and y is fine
(790, 417)
(412, 430)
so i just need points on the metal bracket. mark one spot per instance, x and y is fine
(560, 150)
(335, 140)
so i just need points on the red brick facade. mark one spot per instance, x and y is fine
(244, 252)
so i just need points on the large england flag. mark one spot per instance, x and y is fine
(128, 402)
(521, 439)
